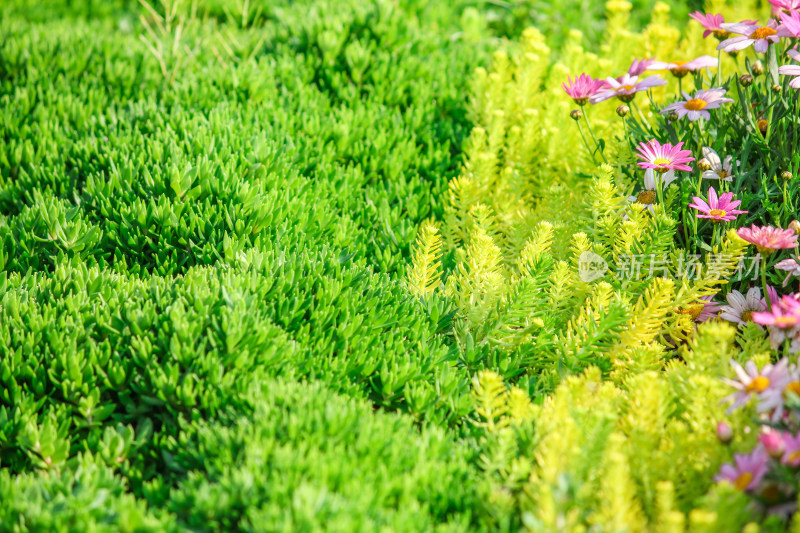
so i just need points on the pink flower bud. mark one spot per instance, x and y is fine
(724, 432)
(772, 443)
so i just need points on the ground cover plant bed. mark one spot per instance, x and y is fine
(271, 265)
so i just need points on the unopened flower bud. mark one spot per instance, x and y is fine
(776, 89)
(758, 68)
(794, 225)
(746, 80)
(623, 110)
(762, 126)
(724, 432)
(772, 443)
(576, 114)
(786, 175)
(703, 164)
(672, 116)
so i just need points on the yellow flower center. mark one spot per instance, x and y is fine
(626, 88)
(793, 457)
(722, 174)
(717, 212)
(762, 33)
(661, 161)
(782, 321)
(646, 197)
(743, 480)
(793, 387)
(758, 384)
(695, 104)
(747, 316)
(721, 34)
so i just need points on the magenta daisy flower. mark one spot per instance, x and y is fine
(768, 239)
(639, 66)
(791, 266)
(792, 70)
(741, 307)
(582, 88)
(664, 157)
(760, 37)
(712, 24)
(626, 87)
(717, 209)
(747, 470)
(697, 107)
(679, 69)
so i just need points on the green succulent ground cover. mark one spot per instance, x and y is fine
(202, 321)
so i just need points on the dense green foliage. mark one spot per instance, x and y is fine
(207, 212)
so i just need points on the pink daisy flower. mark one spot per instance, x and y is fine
(712, 24)
(697, 107)
(791, 456)
(785, 314)
(639, 66)
(626, 87)
(784, 6)
(582, 88)
(791, 266)
(760, 37)
(791, 22)
(740, 308)
(747, 470)
(679, 69)
(664, 157)
(710, 309)
(792, 70)
(718, 209)
(768, 239)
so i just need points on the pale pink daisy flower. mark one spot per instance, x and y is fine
(720, 170)
(647, 197)
(626, 87)
(752, 381)
(791, 456)
(768, 238)
(760, 37)
(697, 106)
(773, 399)
(772, 442)
(740, 308)
(792, 70)
(582, 88)
(791, 22)
(664, 157)
(639, 66)
(679, 69)
(747, 470)
(717, 209)
(791, 266)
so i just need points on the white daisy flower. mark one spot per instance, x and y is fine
(740, 308)
(648, 196)
(720, 170)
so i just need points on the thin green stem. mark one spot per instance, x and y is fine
(585, 141)
(594, 137)
(719, 69)
(764, 282)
